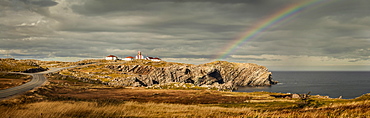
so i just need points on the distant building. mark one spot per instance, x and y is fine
(156, 59)
(111, 57)
(153, 59)
(139, 56)
(129, 58)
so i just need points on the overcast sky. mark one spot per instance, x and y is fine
(331, 36)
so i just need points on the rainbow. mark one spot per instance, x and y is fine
(273, 20)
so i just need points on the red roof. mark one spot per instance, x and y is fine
(111, 56)
(157, 58)
(130, 57)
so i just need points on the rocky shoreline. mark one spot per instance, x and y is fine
(219, 74)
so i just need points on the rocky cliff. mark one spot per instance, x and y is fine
(219, 74)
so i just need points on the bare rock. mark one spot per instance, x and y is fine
(220, 74)
(34, 70)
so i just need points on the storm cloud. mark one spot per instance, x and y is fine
(192, 31)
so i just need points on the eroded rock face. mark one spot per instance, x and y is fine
(219, 74)
(35, 70)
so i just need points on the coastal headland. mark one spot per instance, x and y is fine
(95, 89)
(219, 75)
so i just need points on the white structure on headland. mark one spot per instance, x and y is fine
(153, 59)
(129, 58)
(111, 57)
(139, 56)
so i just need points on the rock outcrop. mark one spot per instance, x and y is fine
(35, 70)
(26, 66)
(218, 74)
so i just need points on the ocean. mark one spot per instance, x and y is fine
(348, 84)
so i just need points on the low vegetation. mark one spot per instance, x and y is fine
(68, 97)
(93, 72)
(8, 80)
(178, 86)
(151, 63)
(96, 70)
(60, 64)
(12, 65)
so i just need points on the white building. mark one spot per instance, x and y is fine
(139, 56)
(111, 57)
(129, 58)
(156, 59)
(153, 59)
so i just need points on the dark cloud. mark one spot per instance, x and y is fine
(38, 6)
(184, 30)
(40, 3)
(180, 10)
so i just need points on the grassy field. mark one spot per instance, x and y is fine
(66, 97)
(12, 65)
(98, 70)
(136, 109)
(8, 80)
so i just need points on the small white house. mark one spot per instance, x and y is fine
(129, 58)
(111, 57)
(153, 59)
(156, 59)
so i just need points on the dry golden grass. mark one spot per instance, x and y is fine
(136, 109)
(99, 71)
(151, 63)
(94, 71)
(126, 109)
(8, 80)
(86, 100)
(12, 65)
(73, 98)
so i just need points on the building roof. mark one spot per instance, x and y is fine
(111, 56)
(130, 57)
(156, 58)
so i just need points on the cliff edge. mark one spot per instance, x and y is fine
(218, 74)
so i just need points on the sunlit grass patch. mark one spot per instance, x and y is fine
(178, 86)
(8, 80)
(12, 65)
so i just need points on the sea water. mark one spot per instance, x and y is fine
(347, 84)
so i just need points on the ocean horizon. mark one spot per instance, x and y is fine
(345, 84)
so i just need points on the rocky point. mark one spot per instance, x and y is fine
(219, 74)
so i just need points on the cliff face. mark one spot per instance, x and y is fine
(219, 74)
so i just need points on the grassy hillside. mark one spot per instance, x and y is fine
(8, 80)
(98, 69)
(136, 109)
(13, 65)
(66, 97)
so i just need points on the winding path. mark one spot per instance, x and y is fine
(37, 80)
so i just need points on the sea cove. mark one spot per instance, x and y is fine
(348, 84)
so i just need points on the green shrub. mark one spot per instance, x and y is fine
(306, 101)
